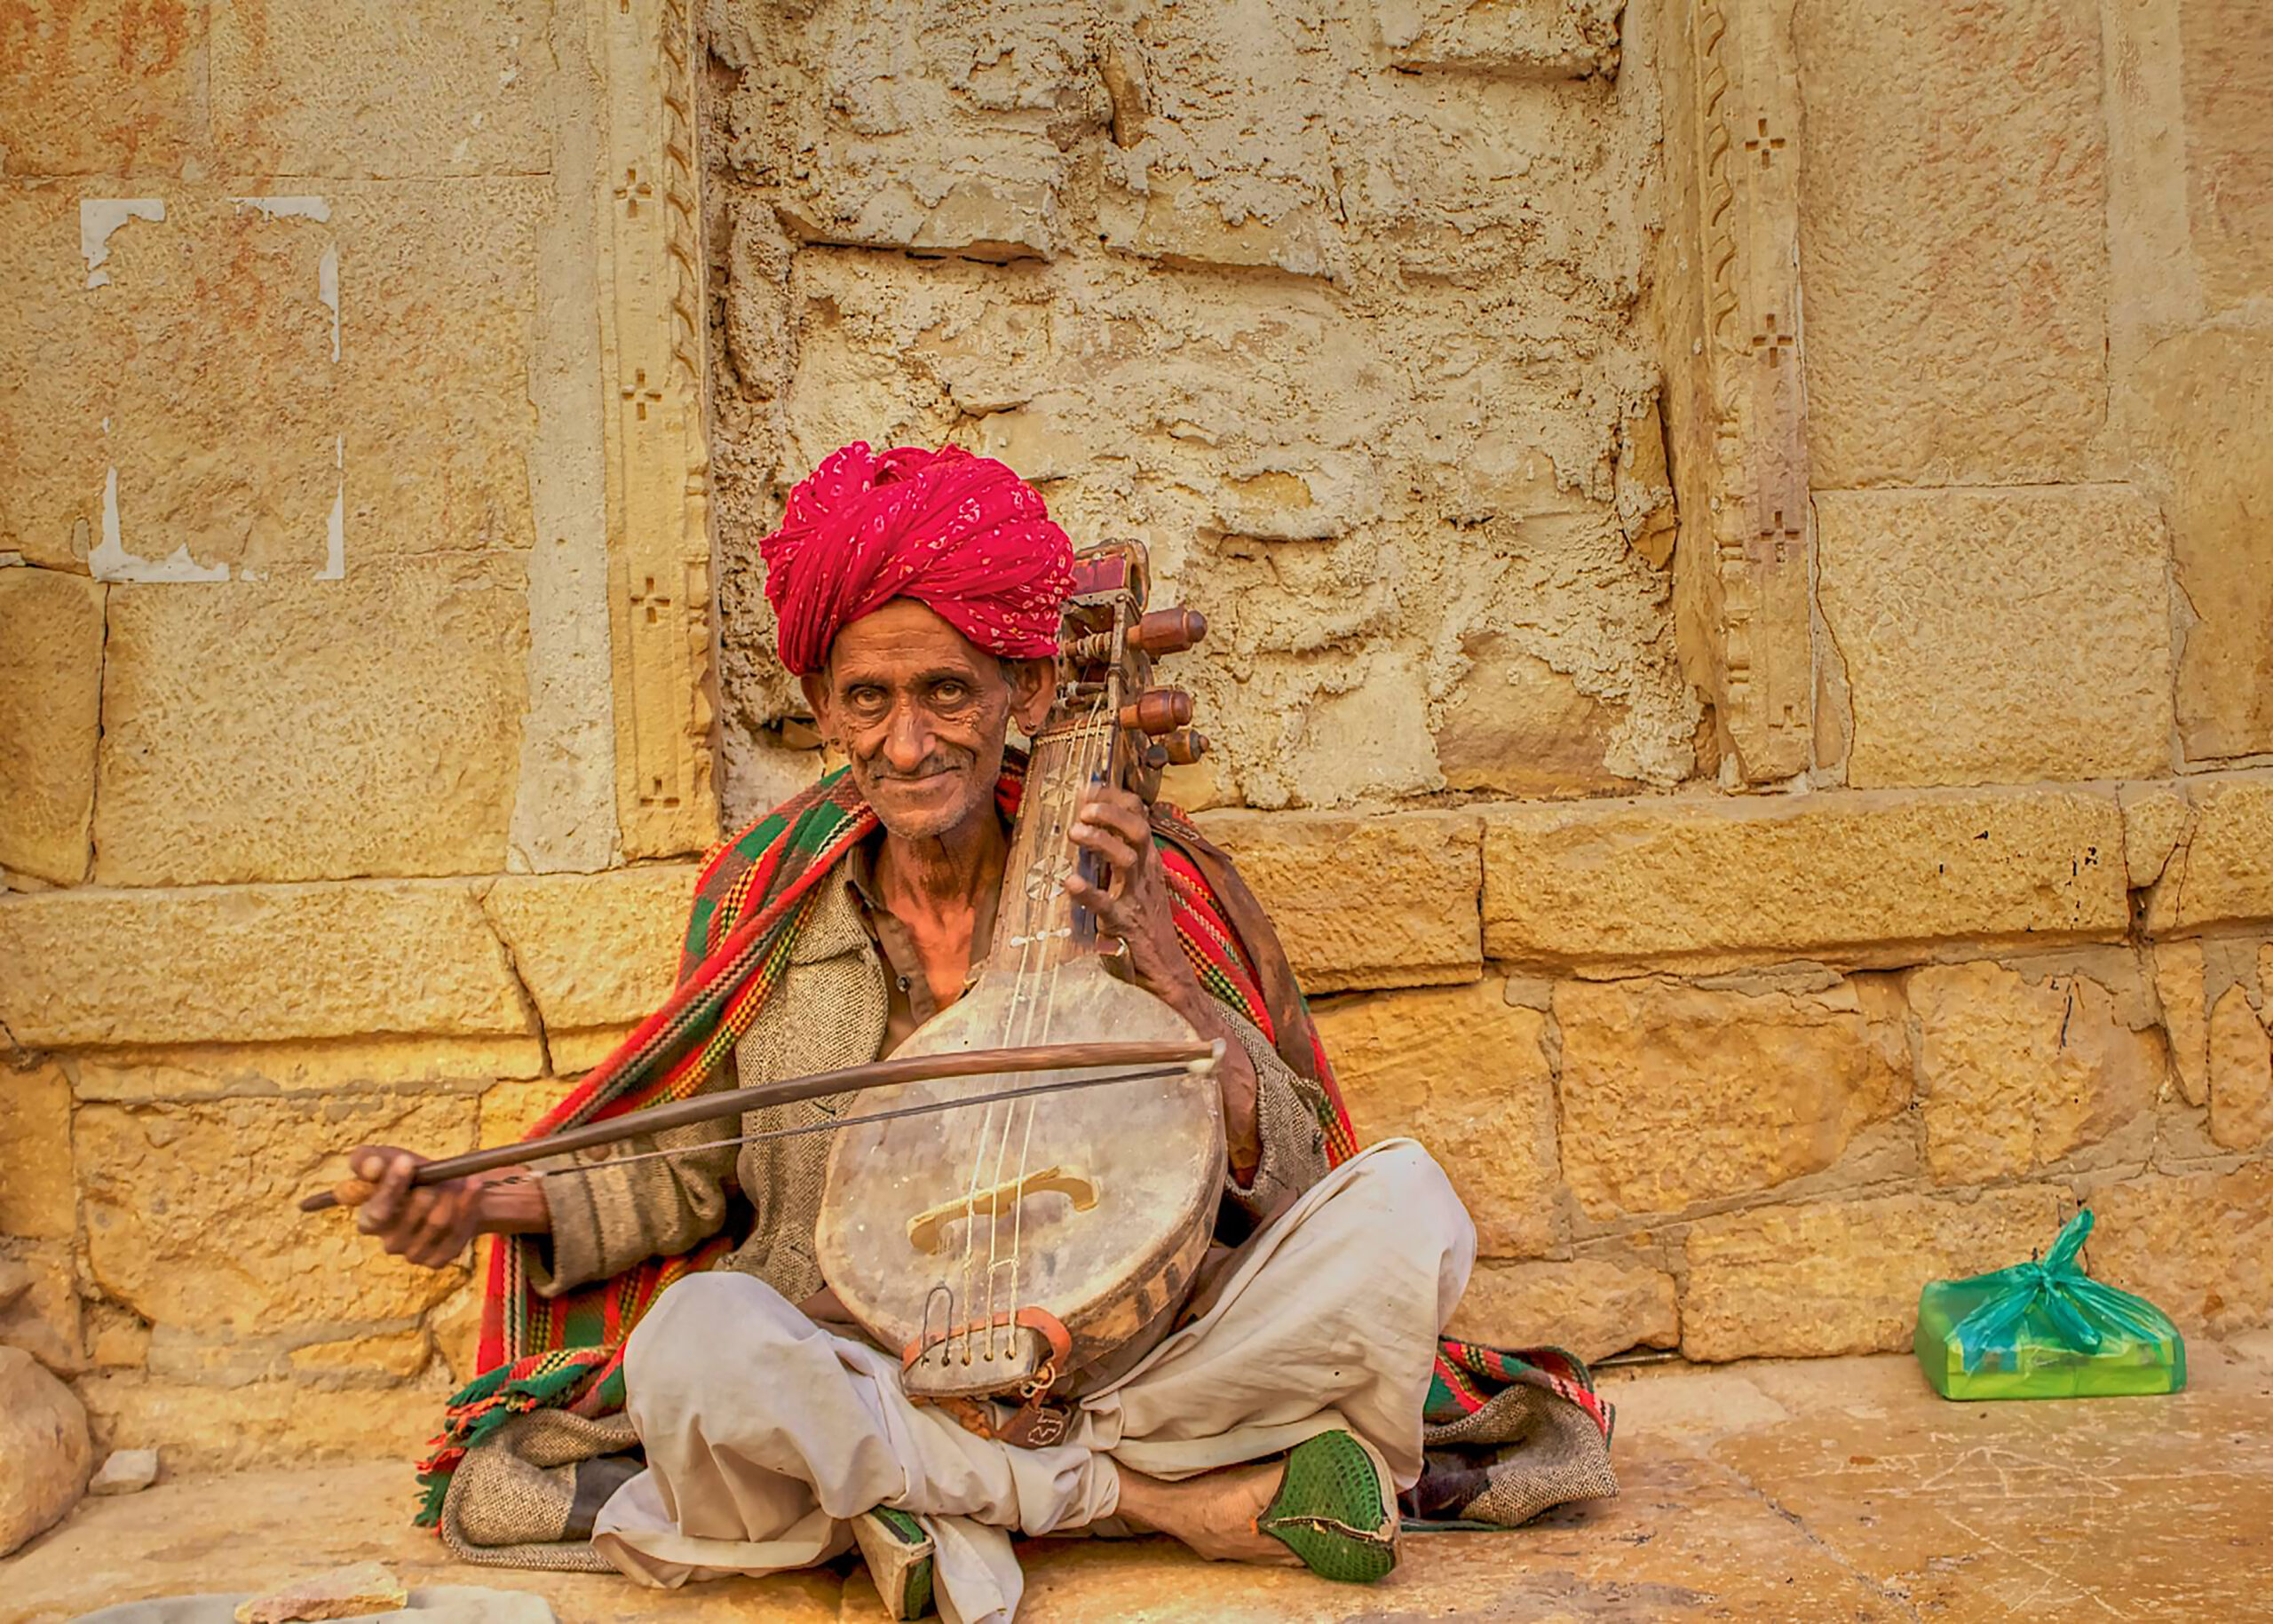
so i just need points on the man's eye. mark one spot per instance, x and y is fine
(951, 693)
(865, 699)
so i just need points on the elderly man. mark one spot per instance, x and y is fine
(918, 596)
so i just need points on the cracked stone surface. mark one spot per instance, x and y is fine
(1815, 1489)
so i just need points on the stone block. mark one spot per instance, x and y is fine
(2222, 871)
(1591, 1307)
(1463, 1071)
(1513, 725)
(2178, 988)
(247, 963)
(1675, 1095)
(595, 950)
(1953, 224)
(2201, 406)
(44, 1440)
(296, 85)
(2016, 1075)
(1955, 616)
(379, 1357)
(1848, 877)
(37, 1199)
(393, 748)
(160, 1228)
(263, 1070)
(247, 369)
(103, 87)
(2241, 1073)
(50, 718)
(975, 209)
(2199, 1246)
(1363, 902)
(1530, 39)
(200, 1429)
(1481, 182)
(1796, 1282)
(1177, 218)
(2226, 79)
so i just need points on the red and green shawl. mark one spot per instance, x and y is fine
(753, 893)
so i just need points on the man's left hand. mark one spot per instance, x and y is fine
(1132, 905)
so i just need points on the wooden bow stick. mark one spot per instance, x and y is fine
(850, 1079)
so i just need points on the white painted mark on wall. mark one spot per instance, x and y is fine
(110, 560)
(99, 217)
(328, 290)
(335, 567)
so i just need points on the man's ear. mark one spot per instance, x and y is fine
(816, 692)
(1034, 684)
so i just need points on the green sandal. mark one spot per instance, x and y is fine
(1336, 1510)
(898, 1555)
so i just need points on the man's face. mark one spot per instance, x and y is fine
(921, 713)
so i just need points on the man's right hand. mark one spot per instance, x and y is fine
(430, 1224)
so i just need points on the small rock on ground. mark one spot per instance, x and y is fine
(125, 1471)
(343, 1593)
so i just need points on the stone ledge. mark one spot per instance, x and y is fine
(1363, 902)
(1852, 878)
(244, 963)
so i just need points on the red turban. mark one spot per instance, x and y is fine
(958, 533)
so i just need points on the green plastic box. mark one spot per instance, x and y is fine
(2046, 1330)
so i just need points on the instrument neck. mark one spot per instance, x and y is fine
(1036, 924)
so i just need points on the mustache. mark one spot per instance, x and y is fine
(930, 766)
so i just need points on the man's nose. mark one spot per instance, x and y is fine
(908, 738)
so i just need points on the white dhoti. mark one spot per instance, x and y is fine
(765, 1433)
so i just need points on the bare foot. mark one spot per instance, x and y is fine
(1214, 1514)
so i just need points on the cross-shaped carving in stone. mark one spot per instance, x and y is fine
(1766, 145)
(639, 394)
(632, 191)
(650, 600)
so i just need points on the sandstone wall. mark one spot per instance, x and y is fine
(1778, 791)
(354, 630)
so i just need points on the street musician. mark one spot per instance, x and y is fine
(717, 1404)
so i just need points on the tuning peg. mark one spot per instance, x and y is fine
(1183, 747)
(1169, 631)
(1158, 710)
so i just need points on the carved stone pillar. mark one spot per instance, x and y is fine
(652, 337)
(1728, 308)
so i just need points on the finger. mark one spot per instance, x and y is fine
(1118, 810)
(1108, 843)
(386, 1205)
(440, 1217)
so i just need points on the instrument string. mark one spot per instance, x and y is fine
(1096, 741)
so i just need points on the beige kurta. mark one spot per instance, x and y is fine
(765, 1432)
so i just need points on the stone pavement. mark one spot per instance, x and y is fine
(1830, 1489)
